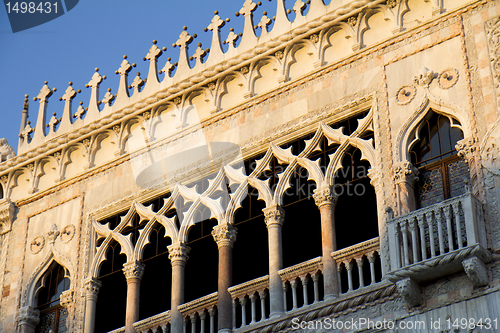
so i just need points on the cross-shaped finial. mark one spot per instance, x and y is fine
(248, 8)
(125, 67)
(108, 97)
(137, 83)
(69, 94)
(232, 38)
(44, 93)
(299, 7)
(27, 130)
(199, 53)
(80, 112)
(154, 53)
(53, 122)
(96, 79)
(168, 68)
(184, 39)
(264, 22)
(216, 24)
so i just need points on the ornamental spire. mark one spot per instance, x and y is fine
(216, 47)
(93, 111)
(183, 43)
(43, 97)
(152, 56)
(123, 71)
(68, 96)
(247, 10)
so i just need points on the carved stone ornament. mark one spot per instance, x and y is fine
(28, 316)
(410, 292)
(225, 235)
(466, 148)
(325, 195)
(67, 233)
(37, 244)
(274, 216)
(476, 271)
(424, 77)
(490, 151)
(7, 211)
(53, 234)
(92, 287)
(405, 172)
(448, 78)
(178, 253)
(6, 151)
(405, 94)
(492, 28)
(67, 298)
(133, 270)
(392, 3)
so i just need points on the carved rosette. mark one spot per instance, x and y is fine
(325, 196)
(448, 78)
(466, 148)
(274, 216)
(405, 172)
(178, 254)
(7, 211)
(27, 316)
(405, 94)
(92, 287)
(224, 235)
(133, 270)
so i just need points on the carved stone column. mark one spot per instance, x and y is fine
(274, 217)
(225, 236)
(27, 319)
(325, 199)
(178, 255)
(92, 287)
(133, 273)
(405, 176)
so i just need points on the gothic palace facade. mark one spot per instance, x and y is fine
(335, 172)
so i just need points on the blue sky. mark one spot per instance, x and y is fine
(98, 34)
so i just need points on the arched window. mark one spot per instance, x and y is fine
(52, 314)
(442, 174)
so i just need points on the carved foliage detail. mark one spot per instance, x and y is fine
(225, 235)
(405, 172)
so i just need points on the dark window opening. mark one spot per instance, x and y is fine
(52, 315)
(442, 174)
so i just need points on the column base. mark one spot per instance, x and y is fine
(274, 315)
(330, 297)
(225, 330)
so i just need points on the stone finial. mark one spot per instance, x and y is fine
(215, 26)
(69, 94)
(232, 38)
(199, 54)
(108, 97)
(96, 80)
(27, 316)
(183, 43)
(274, 215)
(324, 196)
(27, 131)
(168, 68)
(125, 67)
(178, 254)
(93, 109)
(6, 151)
(224, 235)
(123, 71)
(7, 211)
(44, 94)
(264, 23)
(43, 97)
(405, 172)
(133, 270)
(80, 112)
(137, 83)
(466, 148)
(299, 7)
(248, 31)
(424, 77)
(53, 122)
(53, 234)
(154, 53)
(152, 56)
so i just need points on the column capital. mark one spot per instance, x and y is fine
(28, 316)
(224, 235)
(325, 196)
(67, 298)
(466, 148)
(133, 270)
(92, 287)
(405, 172)
(274, 215)
(178, 254)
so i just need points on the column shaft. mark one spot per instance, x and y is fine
(92, 287)
(178, 255)
(274, 220)
(133, 273)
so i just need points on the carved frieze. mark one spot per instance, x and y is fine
(492, 28)
(7, 211)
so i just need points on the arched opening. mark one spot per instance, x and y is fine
(442, 174)
(48, 301)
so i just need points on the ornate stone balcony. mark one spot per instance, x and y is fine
(436, 241)
(200, 315)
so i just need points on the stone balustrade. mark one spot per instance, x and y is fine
(358, 265)
(200, 315)
(250, 302)
(159, 323)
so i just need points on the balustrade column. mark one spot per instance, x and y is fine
(178, 255)
(225, 236)
(274, 217)
(405, 175)
(133, 271)
(92, 287)
(326, 198)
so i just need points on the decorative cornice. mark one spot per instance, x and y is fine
(224, 235)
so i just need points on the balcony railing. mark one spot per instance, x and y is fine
(450, 230)
(358, 265)
(250, 302)
(159, 323)
(200, 315)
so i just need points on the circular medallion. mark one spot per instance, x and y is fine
(67, 233)
(405, 94)
(448, 78)
(37, 244)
